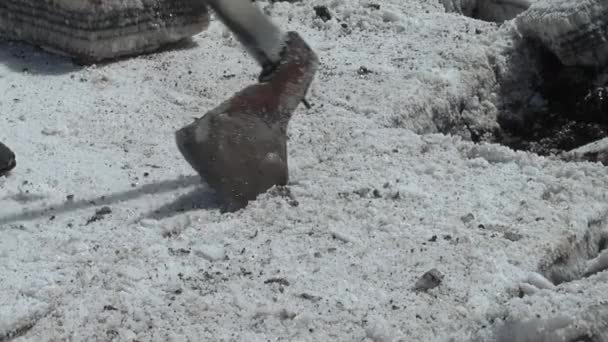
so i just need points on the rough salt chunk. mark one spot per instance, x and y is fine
(575, 31)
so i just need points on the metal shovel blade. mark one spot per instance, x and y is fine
(240, 147)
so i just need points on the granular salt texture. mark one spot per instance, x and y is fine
(350, 258)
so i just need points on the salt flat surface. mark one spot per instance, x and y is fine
(382, 197)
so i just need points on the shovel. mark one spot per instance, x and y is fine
(240, 147)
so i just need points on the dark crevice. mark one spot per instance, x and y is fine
(475, 14)
(575, 114)
(485, 10)
(603, 244)
(584, 338)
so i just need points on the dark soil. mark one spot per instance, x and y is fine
(551, 133)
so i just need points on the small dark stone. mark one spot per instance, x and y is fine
(7, 159)
(104, 211)
(429, 280)
(362, 192)
(374, 6)
(69, 197)
(99, 214)
(310, 297)
(281, 281)
(363, 71)
(467, 218)
(433, 238)
(376, 193)
(179, 251)
(322, 12)
(512, 236)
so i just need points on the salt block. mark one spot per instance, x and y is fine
(575, 31)
(94, 30)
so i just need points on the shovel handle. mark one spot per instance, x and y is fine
(254, 29)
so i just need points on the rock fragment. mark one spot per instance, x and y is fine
(99, 214)
(429, 280)
(7, 159)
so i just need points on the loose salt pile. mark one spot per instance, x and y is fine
(93, 30)
(575, 31)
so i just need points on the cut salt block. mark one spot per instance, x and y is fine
(240, 147)
(575, 31)
(94, 30)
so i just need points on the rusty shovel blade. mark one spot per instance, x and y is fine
(240, 147)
